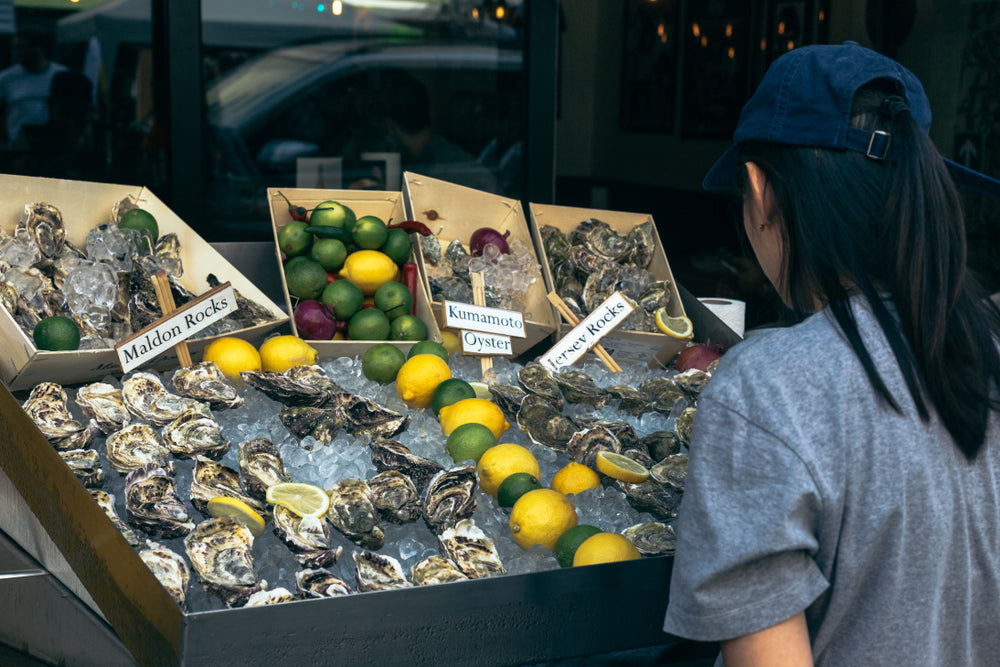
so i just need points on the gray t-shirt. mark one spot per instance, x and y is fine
(805, 492)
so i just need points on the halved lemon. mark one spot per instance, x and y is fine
(303, 499)
(678, 327)
(239, 510)
(621, 467)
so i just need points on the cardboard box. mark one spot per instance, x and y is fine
(386, 205)
(83, 206)
(457, 211)
(623, 345)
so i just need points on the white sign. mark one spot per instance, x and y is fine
(177, 327)
(480, 318)
(588, 332)
(477, 342)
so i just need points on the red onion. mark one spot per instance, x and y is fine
(313, 321)
(697, 356)
(485, 235)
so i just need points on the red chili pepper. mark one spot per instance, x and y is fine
(410, 226)
(297, 212)
(410, 280)
(330, 277)
(341, 325)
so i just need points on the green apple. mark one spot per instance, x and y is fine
(333, 214)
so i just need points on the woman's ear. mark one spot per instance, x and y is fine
(760, 192)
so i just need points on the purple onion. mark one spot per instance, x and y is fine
(313, 321)
(485, 235)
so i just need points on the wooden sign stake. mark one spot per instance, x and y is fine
(570, 317)
(479, 299)
(167, 306)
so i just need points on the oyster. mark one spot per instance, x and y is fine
(555, 242)
(642, 244)
(104, 404)
(584, 445)
(151, 503)
(299, 385)
(578, 387)
(221, 554)
(457, 256)
(393, 455)
(600, 284)
(622, 430)
(639, 455)
(106, 502)
(211, 479)
(537, 379)
(395, 496)
(45, 227)
(205, 382)
(662, 393)
(656, 295)
(544, 424)
(630, 399)
(599, 238)
(134, 446)
(46, 407)
(276, 596)
(320, 583)
(661, 444)
(86, 465)
(584, 262)
(671, 471)
(308, 538)
(651, 496)
(450, 496)
(508, 398)
(652, 538)
(363, 416)
(169, 568)
(378, 572)
(469, 548)
(305, 421)
(261, 466)
(435, 570)
(192, 433)
(146, 397)
(684, 424)
(248, 313)
(353, 513)
(692, 381)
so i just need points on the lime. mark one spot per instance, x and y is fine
(293, 239)
(369, 232)
(56, 333)
(469, 442)
(343, 298)
(381, 362)
(394, 299)
(334, 214)
(453, 391)
(408, 327)
(143, 221)
(515, 486)
(368, 324)
(567, 544)
(397, 245)
(330, 253)
(306, 279)
(428, 347)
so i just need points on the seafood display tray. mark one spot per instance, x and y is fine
(386, 205)
(85, 205)
(512, 619)
(457, 211)
(623, 345)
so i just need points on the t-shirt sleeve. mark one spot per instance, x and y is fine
(746, 531)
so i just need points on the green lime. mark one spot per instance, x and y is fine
(143, 221)
(343, 298)
(306, 279)
(56, 333)
(393, 299)
(451, 391)
(293, 239)
(397, 245)
(408, 327)
(428, 347)
(568, 542)
(514, 486)
(368, 324)
(330, 253)
(381, 362)
(369, 232)
(291, 261)
(469, 441)
(333, 214)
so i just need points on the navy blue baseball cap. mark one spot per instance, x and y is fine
(805, 99)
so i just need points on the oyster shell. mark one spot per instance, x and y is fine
(642, 244)
(600, 284)
(103, 403)
(378, 572)
(151, 503)
(584, 445)
(353, 513)
(308, 538)
(578, 387)
(450, 496)
(46, 407)
(205, 382)
(248, 313)
(537, 379)
(661, 444)
(275, 596)
(393, 455)
(662, 393)
(555, 242)
(684, 424)
(630, 399)
(651, 496)
(169, 568)
(435, 570)
(599, 238)
(692, 381)
(544, 424)
(221, 554)
(622, 430)
(106, 502)
(656, 295)
(134, 446)
(211, 479)
(146, 397)
(584, 262)
(508, 398)
(192, 433)
(305, 421)
(395, 496)
(300, 385)
(86, 465)
(671, 471)
(45, 227)
(261, 466)
(471, 550)
(652, 538)
(320, 583)
(363, 416)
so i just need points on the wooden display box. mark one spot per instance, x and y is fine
(386, 205)
(457, 211)
(83, 206)
(623, 345)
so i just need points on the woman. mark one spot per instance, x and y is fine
(843, 499)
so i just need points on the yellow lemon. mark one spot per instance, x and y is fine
(541, 517)
(233, 356)
(303, 499)
(279, 353)
(419, 377)
(676, 327)
(451, 341)
(621, 467)
(500, 462)
(239, 510)
(473, 410)
(369, 270)
(605, 548)
(575, 478)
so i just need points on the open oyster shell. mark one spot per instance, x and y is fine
(205, 382)
(169, 568)
(261, 466)
(450, 496)
(435, 570)
(395, 496)
(353, 513)
(152, 505)
(221, 554)
(471, 550)
(320, 583)
(135, 445)
(378, 572)
(212, 479)
(308, 538)
(103, 403)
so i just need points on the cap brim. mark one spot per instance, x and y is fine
(722, 175)
(972, 179)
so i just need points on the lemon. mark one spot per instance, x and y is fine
(541, 517)
(239, 510)
(279, 353)
(473, 410)
(419, 377)
(469, 442)
(451, 341)
(303, 499)
(233, 356)
(621, 467)
(575, 478)
(677, 327)
(369, 270)
(571, 540)
(605, 548)
(56, 333)
(482, 390)
(500, 462)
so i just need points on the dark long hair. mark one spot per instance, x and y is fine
(854, 224)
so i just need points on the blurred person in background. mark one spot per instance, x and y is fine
(25, 85)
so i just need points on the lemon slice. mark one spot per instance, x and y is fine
(303, 499)
(678, 327)
(239, 510)
(482, 390)
(621, 467)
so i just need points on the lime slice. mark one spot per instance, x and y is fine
(677, 327)
(303, 499)
(482, 390)
(239, 510)
(621, 467)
